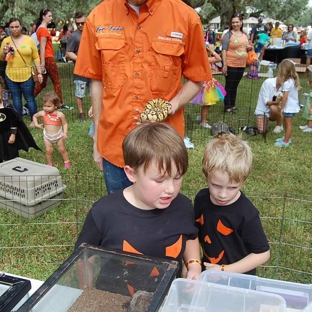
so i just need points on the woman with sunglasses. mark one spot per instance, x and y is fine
(235, 45)
(47, 60)
(20, 52)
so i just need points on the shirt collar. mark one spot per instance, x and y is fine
(151, 5)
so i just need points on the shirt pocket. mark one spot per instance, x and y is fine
(165, 66)
(113, 58)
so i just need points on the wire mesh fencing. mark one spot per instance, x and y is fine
(247, 94)
(36, 246)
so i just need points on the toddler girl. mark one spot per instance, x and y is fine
(55, 128)
(211, 92)
(290, 103)
(307, 112)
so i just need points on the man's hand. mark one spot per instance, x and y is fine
(97, 157)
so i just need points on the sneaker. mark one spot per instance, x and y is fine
(205, 125)
(67, 165)
(82, 116)
(303, 127)
(282, 144)
(64, 106)
(278, 129)
(198, 118)
(188, 143)
(64, 59)
(282, 139)
(307, 130)
(25, 111)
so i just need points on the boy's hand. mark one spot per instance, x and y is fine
(65, 136)
(210, 266)
(193, 271)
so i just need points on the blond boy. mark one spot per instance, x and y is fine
(230, 230)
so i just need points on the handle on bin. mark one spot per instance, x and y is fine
(19, 169)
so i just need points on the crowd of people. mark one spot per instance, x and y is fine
(144, 164)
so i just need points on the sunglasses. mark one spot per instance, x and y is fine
(80, 24)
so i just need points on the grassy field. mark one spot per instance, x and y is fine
(279, 185)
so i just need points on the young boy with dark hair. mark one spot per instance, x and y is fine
(149, 217)
(230, 229)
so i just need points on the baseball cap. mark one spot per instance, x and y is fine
(260, 19)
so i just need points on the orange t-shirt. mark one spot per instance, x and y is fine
(139, 58)
(43, 32)
(236, 55)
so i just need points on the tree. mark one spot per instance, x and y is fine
(288, 11)
(283, 10)
(28, 11)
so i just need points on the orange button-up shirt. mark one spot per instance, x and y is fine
(139, 58)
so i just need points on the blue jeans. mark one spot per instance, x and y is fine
(25, 88)
(114, 177)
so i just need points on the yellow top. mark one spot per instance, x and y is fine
(16, 68)
(276, 33)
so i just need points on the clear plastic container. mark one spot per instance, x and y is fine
(308, 308)
(197, 296)
(297, 296)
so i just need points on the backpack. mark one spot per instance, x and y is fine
(35, 38)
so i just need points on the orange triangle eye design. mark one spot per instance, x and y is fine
(131, 290)
(127, 247)
(207, 239)
(221, 228)
(200, 220)
(154, 272)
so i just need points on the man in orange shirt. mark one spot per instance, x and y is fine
(135, 51)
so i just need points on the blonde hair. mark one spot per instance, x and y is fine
(53, 98)
(229, 154)
(287, 70)
(155, 141)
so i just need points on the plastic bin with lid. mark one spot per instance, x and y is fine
(297, 296)
(197, 296)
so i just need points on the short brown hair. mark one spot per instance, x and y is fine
(79, 15)
(155, 141)
(228, 153)
(53, 98)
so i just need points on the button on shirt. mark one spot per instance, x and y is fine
(139, 58)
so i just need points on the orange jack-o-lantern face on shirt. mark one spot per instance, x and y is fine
(220, 229)
(173, 251)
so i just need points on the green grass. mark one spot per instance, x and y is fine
(279, 185)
